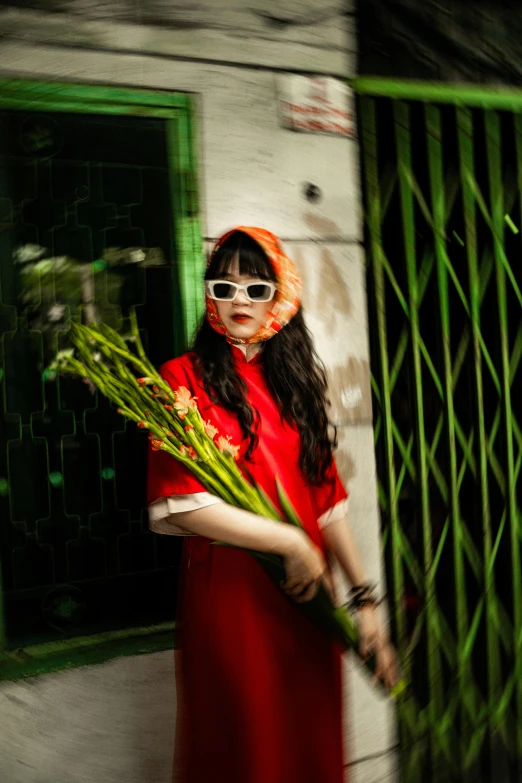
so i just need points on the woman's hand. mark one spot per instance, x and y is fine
(373, 641)
(306, 569)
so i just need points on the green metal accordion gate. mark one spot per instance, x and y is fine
(442, 178)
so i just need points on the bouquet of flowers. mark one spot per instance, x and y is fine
(119, 368)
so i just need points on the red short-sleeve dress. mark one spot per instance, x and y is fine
(259, 686)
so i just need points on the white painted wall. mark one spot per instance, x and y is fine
(335, 301)
(252, 172)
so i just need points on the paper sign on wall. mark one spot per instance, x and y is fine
(316, 105)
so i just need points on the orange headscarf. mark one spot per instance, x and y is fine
(287, 299)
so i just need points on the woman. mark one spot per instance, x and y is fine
(259, 686)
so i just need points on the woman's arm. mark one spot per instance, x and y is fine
(339, 541)
(305, 566)
(222, 522)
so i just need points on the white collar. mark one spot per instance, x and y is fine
(243, 348)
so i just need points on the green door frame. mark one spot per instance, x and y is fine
(178, 112)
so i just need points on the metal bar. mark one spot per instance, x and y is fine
(412, 751)
(79, 107)
(179, 208)
(470, 95)
(515, 522)
(189, 256)
(404, 163)
(466, 154)
(369, 140)
(198, 254)
(493, 146)
(58, 92)
(435, 162)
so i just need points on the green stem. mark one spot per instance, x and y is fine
(101, 340)
(219, 474)
(135, 331)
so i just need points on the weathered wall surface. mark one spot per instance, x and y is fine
(116, 721)
(301, 35)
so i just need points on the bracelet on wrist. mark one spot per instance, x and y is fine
(361, 596)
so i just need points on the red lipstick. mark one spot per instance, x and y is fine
(240, 318)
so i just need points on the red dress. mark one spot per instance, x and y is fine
(259, 686)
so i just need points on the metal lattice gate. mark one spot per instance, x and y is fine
(93, 222)
(443, 184)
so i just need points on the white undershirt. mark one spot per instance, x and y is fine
(162, 512)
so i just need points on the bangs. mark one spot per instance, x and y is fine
(253, 261)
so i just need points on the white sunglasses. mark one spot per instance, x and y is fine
(226, 291)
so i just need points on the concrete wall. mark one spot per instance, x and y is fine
(116, 721)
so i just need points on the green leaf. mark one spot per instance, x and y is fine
(265, 500)
(287, 507)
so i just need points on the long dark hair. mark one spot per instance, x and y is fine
(294, 373)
